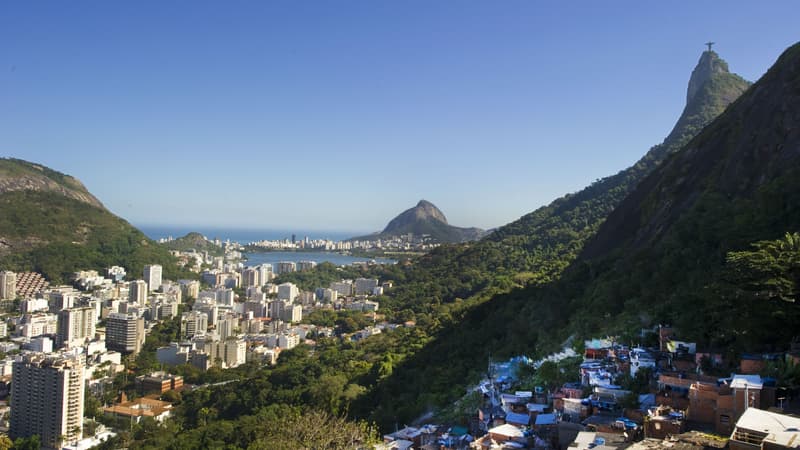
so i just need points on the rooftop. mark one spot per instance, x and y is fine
(771, 423)
(507, 430)
(747, 382)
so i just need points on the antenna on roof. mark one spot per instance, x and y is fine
(709, 44)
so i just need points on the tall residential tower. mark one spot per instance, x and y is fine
(47, 399)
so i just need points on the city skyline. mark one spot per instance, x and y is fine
(339, 117)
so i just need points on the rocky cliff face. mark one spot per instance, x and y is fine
(424, 211)
(741, 158)
(709, 64)
(567, 221)
(18, 175)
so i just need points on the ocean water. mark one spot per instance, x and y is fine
(244, 236)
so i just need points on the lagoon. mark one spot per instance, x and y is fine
(254, 259)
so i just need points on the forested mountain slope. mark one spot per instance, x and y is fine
(51, 224)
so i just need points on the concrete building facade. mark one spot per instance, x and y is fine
(47, 399)
(124, 332)
(152, 275)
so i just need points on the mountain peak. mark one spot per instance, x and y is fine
(425, 219)
(710, 63)
(20, 175)
(50, 222)
(736, 160)
(712, 87)
(424, 210)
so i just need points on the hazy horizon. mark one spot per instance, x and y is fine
(157, 231)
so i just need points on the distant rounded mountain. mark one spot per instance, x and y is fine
(425, 219)
(423, 212)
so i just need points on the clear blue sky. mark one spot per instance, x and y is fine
(337, 115)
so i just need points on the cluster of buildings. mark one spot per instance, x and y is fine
(23, 284)
(399, 243)
(225, 330)
(681, 409)
(60, 341)
(302, 244)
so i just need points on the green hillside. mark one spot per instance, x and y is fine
(569, 220)
(49, 223)
(495, 299)
(537, 248)
(670, 253)
(194, 241)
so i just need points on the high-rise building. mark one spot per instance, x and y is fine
(306, 265)
(286, 267)
(193, 323)
(152, 275)
(124, 332)
(276, 308)
(343, 288)
(227, 326)
(251, 277)
(62, 297)
(288, 341)
(287, 291)
(33, 325)
(164, 310)
(208, 306)
(116, 273)
(172, 291)
(258, 308)
(75, 325)
(190, 288)
(47, 399)
(292, 313)
(8, 285)
(229, 353)
(137, 292)
(265, 274)
(365, 285)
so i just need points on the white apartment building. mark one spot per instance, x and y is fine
(137, 292)
(76, 325)
(193, 323)
(292, 313)
(265, 273)
(47, 399)
(343, 288)
(365, 285)
(287, 291)
(306, 265)
(33, 325)
(125, 332)
(287, 341)
(8, 285)
(286, 267)
(152, 275)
